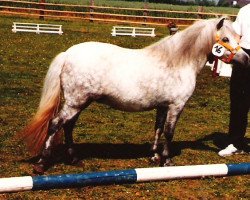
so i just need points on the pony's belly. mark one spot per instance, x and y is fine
(128, 106)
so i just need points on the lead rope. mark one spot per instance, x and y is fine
(215, 67)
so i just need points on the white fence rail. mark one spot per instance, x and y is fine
(133, 31)
(37, 28)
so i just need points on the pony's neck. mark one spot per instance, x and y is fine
(189, 47)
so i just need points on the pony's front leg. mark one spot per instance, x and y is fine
(171, 120)
(161, 114)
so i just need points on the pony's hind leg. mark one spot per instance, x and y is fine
(65, 115)
(161, 114)
(71, 157)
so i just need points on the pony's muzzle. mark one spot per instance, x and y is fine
(242, 58)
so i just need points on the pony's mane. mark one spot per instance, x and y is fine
(187, 44)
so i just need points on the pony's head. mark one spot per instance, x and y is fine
(226, 45)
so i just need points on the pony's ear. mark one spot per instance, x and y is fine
(220, 24)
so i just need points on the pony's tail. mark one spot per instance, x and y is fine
(35, 133)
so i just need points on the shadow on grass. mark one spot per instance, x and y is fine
(135, 151)
(220, 140)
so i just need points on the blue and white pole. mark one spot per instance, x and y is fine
(15, 184)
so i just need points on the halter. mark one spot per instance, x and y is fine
(222, 58)
(228, 47)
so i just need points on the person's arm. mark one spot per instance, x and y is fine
(237, 26)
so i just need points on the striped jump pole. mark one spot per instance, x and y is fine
(15, 184)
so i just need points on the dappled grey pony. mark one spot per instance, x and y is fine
(161, 76)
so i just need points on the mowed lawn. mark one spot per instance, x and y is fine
(108, 139)
(141, 4)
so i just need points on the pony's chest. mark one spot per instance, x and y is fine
(178, 86)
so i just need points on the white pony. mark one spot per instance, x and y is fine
(161, 76)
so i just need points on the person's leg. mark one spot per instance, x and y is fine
(239, 108)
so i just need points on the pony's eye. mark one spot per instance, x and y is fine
(225, 39)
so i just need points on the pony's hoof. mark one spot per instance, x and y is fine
(38, 169)
(72, 159)
(156, 158)
(168, 162)
(76, 162)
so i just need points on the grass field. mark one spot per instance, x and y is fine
(141, 4)
(155, 9)
(110, 139)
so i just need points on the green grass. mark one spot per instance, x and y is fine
(141, 4)
(137, 4)
(110, 139)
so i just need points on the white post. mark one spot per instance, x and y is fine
(133, 32)
(60, 30)
(153, 33)
(114, 31)
(14, 27)
(37, 29)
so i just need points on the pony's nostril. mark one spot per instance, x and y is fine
(246, 60)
